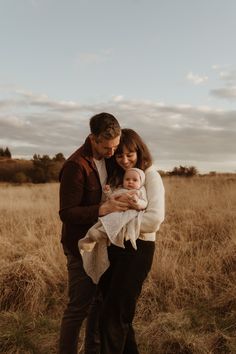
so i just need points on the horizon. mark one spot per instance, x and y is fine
(200, 172)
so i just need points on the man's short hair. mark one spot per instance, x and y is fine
(105, 125)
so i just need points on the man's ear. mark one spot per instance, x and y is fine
(94, 138)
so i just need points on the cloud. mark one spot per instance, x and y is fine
(176, 134)
(118, 98)
(227, 76)
(228, 93)
(94, 58)
(13, 122)
(215, 67)
(196, 79)
(225, 72)
(43, 101)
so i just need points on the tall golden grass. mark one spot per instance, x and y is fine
(188, 303)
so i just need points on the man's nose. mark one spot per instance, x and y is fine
(112, 151)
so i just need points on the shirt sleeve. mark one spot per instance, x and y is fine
(155, 212)
(71, 195)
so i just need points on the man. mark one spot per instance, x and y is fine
(82, 177)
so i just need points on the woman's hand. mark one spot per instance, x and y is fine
(123, 197)
(133, 200)
(133, 204)
(111, 205)
(130, 199)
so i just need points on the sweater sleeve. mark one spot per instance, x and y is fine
(71, 196)
(155, 211)
(142, 202)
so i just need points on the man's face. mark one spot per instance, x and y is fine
(104, 148)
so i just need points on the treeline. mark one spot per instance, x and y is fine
(182, 171)
(5, 153)
(43, 169)
(40, 169)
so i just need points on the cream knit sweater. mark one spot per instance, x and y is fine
(155, 212)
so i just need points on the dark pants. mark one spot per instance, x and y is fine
(121, 286)
(83, 302)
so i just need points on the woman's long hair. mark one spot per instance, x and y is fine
(133, 143)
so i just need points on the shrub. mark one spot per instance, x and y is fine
(20, 177)
(184, 171)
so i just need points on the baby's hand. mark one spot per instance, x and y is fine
(107, 188)
(134, 198)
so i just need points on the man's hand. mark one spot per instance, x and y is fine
(111, 205)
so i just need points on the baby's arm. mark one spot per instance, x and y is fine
(137, 199)
(107, 191)
(123, 196)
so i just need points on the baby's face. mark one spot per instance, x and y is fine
(131, 180)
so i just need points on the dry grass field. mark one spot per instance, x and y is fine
(188, 303)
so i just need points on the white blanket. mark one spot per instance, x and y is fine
(119, 226)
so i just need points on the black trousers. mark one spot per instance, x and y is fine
(121, 286)
(84, 302)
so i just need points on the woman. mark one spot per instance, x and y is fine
(121, 284)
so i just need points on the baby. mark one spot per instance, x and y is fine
(120, 226)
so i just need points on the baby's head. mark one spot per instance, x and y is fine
(134, 178)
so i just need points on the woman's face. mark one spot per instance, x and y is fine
(127, 159)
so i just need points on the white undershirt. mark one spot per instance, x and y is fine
(102, 171)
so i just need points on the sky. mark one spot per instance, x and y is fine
(165, 68)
